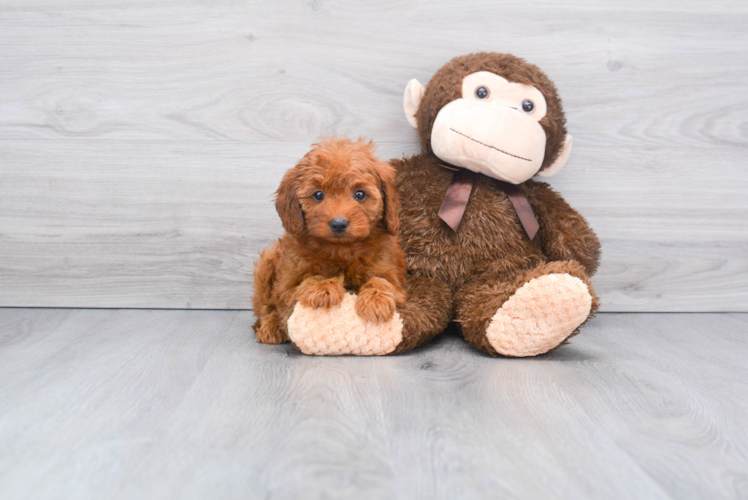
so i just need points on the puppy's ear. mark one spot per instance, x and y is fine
(287, 203)
(386, 173)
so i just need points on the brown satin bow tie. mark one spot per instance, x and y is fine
(458, 193)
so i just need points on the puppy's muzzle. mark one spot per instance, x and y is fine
(338, 225)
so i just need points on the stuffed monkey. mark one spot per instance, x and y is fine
(502, 255)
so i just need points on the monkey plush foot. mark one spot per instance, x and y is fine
(339, 330)
(540, 315)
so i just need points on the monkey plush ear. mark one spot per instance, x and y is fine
(560, 161)
(411, 100)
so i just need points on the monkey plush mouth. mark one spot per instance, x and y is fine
(488, 145)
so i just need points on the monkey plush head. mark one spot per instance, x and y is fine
(494, 114)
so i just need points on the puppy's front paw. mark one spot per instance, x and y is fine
(269, 332)
(376, 301)
(321, 293)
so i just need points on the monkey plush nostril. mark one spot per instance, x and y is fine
(338, 225)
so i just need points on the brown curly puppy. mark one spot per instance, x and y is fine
(339, 209)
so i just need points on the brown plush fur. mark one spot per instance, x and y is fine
(314, 265)
(468, 275)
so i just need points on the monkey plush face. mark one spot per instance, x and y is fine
(493, 114)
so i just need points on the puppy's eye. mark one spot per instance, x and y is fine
(359, 195)
(528, 106)
(481, 93)
(319, 196)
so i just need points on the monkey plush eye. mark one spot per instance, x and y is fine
(319, 196)
(359, 195)
(527, 106)
(481, 93)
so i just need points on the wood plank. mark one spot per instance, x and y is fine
(185, 404)
(634, 73)
(178, 225)
(141, 140)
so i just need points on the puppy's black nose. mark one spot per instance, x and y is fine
(338, 225)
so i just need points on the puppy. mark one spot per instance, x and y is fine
(339, 209)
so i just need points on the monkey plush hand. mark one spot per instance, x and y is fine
(501, 254)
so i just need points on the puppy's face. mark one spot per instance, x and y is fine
(342, 193)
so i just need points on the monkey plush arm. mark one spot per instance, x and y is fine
(563, 234)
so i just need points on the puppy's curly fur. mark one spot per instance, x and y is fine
(339, 209)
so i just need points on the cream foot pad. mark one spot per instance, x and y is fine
(540, 315)
(339, 330)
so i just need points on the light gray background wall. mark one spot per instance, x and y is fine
(140, 142)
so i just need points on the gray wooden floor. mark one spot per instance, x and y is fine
(185, 404)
